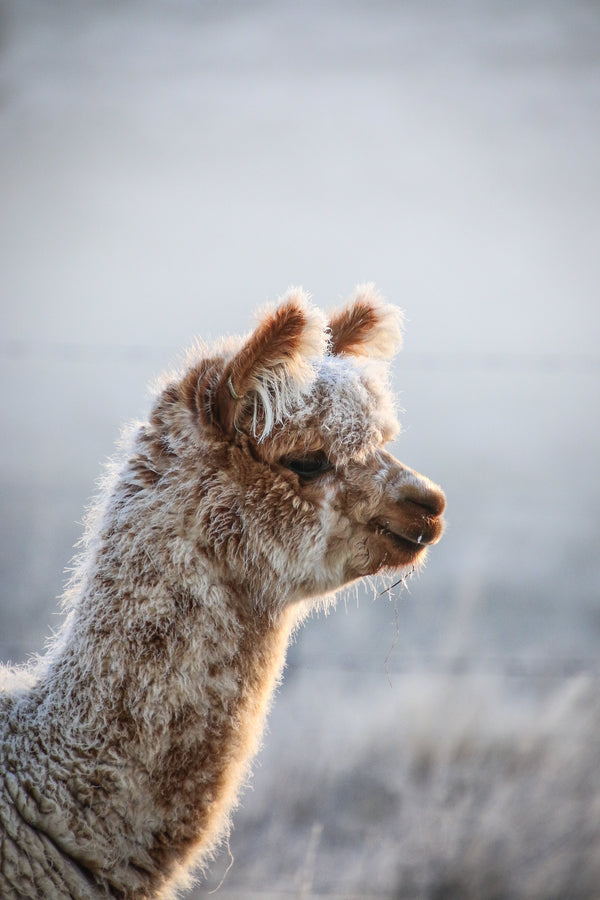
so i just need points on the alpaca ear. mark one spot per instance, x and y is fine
(274, 366)
(367, 326)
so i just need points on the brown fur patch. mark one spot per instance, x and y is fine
(350, 329)
(271, 345)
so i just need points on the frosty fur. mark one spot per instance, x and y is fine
(259, 485)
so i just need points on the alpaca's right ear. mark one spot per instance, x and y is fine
(367, 326)
(274, 365)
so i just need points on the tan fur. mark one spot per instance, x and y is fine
(273, 364)
(122, 752)
(367, 326)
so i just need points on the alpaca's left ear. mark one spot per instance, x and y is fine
(274, 366)
(367, 326)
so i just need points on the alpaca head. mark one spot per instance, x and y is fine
(277, 445)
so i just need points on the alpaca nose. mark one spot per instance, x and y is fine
(423, 510)
(429, 497)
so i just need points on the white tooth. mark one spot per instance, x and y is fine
(419, 539)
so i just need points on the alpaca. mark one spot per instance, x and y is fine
(259, 484)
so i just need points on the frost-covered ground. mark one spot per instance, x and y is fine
(168, 167)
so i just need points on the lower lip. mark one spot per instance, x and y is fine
(402, 543)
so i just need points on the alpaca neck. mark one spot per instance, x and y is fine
(195, 777)
(161, 729)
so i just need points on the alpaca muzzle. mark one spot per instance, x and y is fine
(412, 521)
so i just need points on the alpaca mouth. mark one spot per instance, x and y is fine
(415, 543)
(400, 542)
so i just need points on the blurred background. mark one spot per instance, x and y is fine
(167, 168)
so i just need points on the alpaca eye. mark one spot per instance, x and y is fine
(308, 467)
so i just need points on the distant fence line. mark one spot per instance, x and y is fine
(490, 361)
(462, 667)
(465, 666)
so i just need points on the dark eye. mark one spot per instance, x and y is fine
(308, 467)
